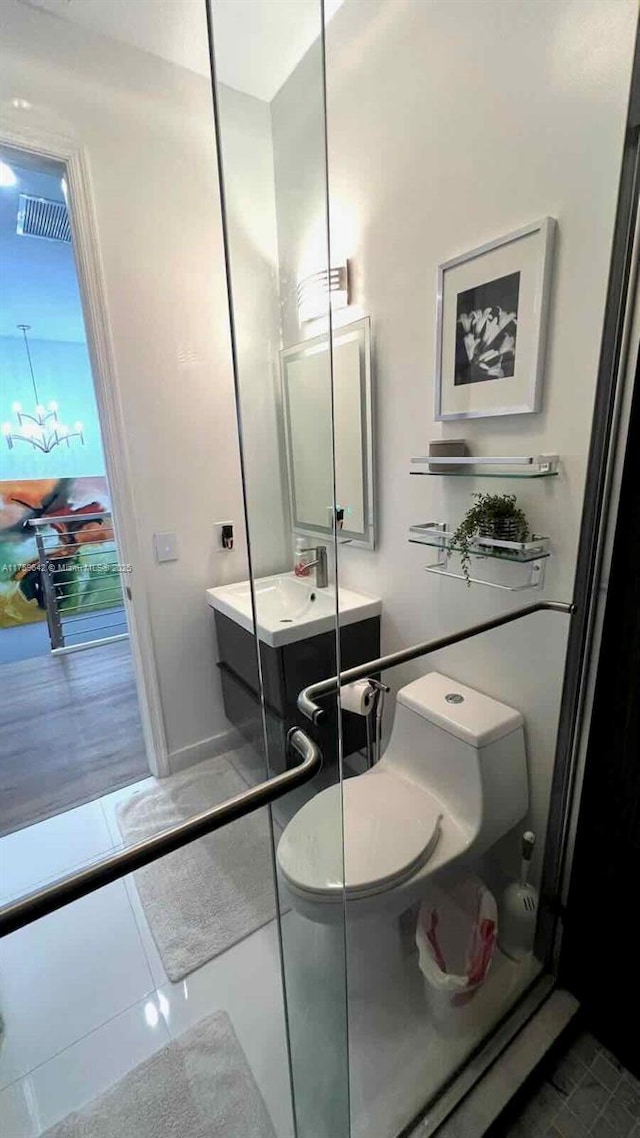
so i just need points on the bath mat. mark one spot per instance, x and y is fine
(198, 1086)
(208, 896)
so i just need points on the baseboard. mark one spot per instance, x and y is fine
(205, 749)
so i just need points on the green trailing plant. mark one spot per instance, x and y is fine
(492, 515)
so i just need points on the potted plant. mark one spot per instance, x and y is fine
(492, 515)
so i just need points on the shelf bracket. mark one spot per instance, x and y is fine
(535, 576)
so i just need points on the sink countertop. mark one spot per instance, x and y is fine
(291, 608)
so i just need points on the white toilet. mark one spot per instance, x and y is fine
(452, 781)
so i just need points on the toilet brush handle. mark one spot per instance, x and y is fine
(528, 842)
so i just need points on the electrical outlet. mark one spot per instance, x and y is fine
(224, 536)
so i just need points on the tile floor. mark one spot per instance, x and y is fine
(85, 998)
(84, 995)
(587, 1092)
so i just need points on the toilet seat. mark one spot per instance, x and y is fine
(391, 829)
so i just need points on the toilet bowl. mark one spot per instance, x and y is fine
(452, 781)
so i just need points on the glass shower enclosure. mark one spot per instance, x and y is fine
(228, 949)
(378, 1029)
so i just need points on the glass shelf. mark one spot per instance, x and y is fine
(486, 551)
(473, 472)
(522, 552)
(479, 466)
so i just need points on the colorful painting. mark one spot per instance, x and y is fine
(80, 553)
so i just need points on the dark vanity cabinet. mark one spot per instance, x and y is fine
(285, 671)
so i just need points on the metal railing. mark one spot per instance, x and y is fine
(17, 914)
(308, 696)
(80, 579)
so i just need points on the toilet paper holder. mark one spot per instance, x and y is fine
(366, 697)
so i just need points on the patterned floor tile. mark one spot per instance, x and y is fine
(587, 1094)
(629, 1096)
(567, 1073)
(619, 1118)
(602, 1129)
(586, 1048)
(588, 1099)
(568, 1125)
(606, 1072)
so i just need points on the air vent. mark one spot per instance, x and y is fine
(38, 217)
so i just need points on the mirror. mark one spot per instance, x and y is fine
(306, 399)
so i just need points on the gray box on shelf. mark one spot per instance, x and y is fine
(446, 448)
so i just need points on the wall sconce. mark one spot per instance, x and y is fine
(316, 292)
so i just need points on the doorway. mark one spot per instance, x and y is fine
(70, 717)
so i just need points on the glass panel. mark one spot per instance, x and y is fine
(269, 95)
(164, 991)
(434, 151)
(137, 1010)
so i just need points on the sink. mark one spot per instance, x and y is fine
(291, 608)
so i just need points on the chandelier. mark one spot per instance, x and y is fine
(43, 430)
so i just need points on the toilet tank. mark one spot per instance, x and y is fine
(467, 749)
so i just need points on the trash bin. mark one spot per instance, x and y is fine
(456, 937)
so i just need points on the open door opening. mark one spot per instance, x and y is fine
(70, 719)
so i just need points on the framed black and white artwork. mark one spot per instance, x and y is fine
(491, 326)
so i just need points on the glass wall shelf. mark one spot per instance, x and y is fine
(532, 554)
(522, 551)
(472, 472)
(479, 466)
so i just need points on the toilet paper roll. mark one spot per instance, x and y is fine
(357, 697)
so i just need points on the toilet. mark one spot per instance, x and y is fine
(452, 781)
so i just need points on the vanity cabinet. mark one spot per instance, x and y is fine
(285, 671)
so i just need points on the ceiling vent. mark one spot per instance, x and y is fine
(38, 217)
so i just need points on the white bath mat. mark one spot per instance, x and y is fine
(198, 1086)
(208, 896)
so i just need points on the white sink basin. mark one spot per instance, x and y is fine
(291, 608)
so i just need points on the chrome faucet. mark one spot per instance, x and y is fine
(321, 564)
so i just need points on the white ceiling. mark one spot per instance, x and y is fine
(258, 42)
(38, 283)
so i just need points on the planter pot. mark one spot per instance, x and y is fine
(503, 529)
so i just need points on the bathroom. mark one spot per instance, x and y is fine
(271, 260)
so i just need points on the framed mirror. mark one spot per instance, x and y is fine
(306, 400)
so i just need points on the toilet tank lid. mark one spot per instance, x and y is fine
(475, 718)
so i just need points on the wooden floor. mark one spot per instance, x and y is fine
(70, 731)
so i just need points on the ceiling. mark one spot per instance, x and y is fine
(258, 43)
(38, 283)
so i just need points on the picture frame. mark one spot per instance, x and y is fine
(491, 326)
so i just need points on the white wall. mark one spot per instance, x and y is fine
(450, 124)
(147, 128)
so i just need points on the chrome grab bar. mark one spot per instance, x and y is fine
(308, 696)
(63, 892)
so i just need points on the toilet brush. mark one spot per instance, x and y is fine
(519, 908)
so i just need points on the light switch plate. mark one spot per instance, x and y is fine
(166, 547)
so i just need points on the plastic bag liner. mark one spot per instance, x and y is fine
(456, 937)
